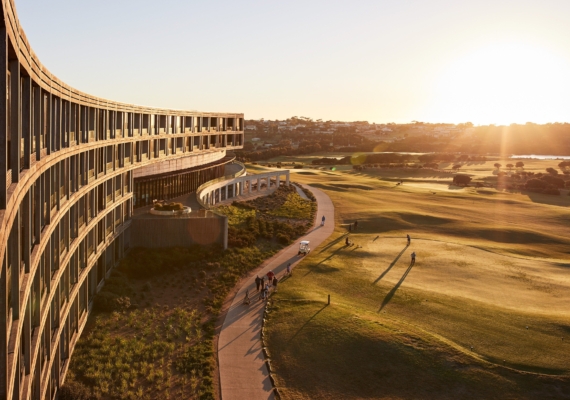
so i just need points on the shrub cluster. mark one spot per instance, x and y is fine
(261, 228)
(541, 186)
(115, 295)
(168, 206)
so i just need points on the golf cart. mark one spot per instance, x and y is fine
(304, 248)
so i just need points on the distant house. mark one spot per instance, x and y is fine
(255, 139)
(250, 128)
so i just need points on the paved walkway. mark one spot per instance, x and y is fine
(243, 373)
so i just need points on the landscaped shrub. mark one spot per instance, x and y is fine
(74, 391)
(283, 239)
(240, 237)
(106, 301)
(168, 207)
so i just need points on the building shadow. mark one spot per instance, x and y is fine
(383, 274)
(395, 288)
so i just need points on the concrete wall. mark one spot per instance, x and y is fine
(154, 232)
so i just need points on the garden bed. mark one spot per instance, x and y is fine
(152, 329)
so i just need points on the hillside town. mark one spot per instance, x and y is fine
(301, 135)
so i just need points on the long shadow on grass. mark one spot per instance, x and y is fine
(323, 268)
(333, 243)
(309, 320)
(383, 274)
(395, 288)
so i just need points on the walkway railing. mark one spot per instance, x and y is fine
(211, 192)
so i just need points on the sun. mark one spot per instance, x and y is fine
(503, 83)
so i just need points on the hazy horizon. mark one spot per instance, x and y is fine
(487, 62)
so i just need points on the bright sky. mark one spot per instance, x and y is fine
(484, 61)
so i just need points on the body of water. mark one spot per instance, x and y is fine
(542, 157)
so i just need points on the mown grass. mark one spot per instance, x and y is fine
(395, 331)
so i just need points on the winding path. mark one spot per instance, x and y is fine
(243, 373)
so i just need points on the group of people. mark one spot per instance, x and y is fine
(264, 283)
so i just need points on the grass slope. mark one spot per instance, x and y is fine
(452, 326)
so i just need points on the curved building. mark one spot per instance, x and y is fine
(69, 162)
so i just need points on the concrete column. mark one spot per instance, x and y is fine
(226, 189)
(287, 179)
(249, 185)
(277, 180)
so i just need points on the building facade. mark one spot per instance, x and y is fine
(67, 166)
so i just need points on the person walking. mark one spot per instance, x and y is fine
(262, 294)
(270, 276)
(246, 298)
(323, 221)
(258, 283)
(289, 269)
(355, 224)
(275, 282)
(266, 292)
(413, 257)
(409, 239)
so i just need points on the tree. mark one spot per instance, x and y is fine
(551, 171)
(553, 180)
(519, 164)
(497, 165)
(510, 166)
(456, 167)
(536, 184)
(461, 180)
